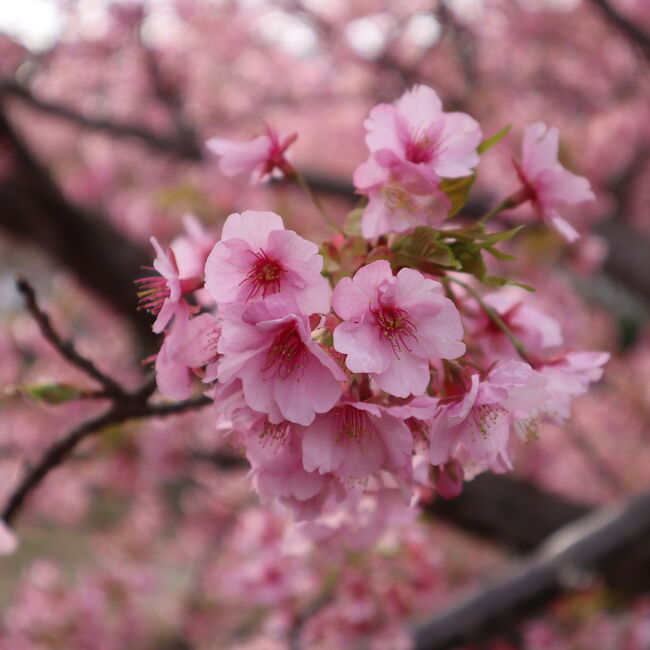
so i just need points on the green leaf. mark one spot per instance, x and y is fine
(494, 140)
(352, 225)
(53, 393)
(457, 189)
(495, 237)
(422, 250)
(500, 255)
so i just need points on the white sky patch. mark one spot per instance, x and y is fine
(369, 35)
(287, 31)
(423, 30)
(37, 24)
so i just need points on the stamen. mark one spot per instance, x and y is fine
(395, 327)
(354, 424)
(153, 292)
(265, 276)
(286, 354)
(275, 432)
(486, 416)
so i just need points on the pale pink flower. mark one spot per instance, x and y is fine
(400, 196)
(474, 426)
(191, 249)
(535, 329)
(546, 182)
(415, 128)
(274, 451)
(355, 440)
(162, 294)
(8, 541)
(284, 373)
(393, 326)
(258, 157)
(257, 257)
(191, 345)
(569, 376)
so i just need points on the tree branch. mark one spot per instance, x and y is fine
(177, 144)
(627, 27)
(608, 540)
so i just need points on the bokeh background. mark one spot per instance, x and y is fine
(141, 541)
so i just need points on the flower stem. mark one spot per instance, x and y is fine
(297, 178)
(497, 320)
(519, 197)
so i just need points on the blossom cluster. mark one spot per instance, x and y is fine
(368, 369)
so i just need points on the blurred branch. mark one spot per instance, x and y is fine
(65, 348)
(626, 26)
(611, 541)
(179, 144)
(506, 510)
(34, 209)
(125, 405)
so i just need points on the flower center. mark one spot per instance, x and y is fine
(486, 416)
(286, 354)
(397, 198)
(265, 276)
(423, 145)
(153, 291)
(395, 327)
(353, 424)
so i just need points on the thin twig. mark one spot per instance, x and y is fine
(65, 348)
(123, 409)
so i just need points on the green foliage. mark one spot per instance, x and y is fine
(457, 189)
(486, 145)
(423, 249)
(53, 393)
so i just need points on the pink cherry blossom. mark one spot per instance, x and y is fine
(448, 479)
(417, 130)
(258, 157)
(568, 376)
(355, 440)
(474, 426)
(546, 182)
(8, 541)
(393, 326)
(400, 195)
(535, 329)
(163, 294)
(191, 344)
(278, 473)
(191, 249)
(284, 373)
(257, 257)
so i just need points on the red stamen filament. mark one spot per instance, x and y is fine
(286, 355)
(395, 327)
(265, 276)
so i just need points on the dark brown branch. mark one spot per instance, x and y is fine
(126, 408)
(180, 145)
(65, 348)
(611, 541)
(626, 26)
(507, 510)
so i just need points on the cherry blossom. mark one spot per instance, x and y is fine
(400, 195)
(284, 373)
(546, 182)
(8, 541)
(393, 326)
(415, 128)
(259, 157)
(257, 257)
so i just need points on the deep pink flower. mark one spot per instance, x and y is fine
(546, 182)
(400, 195)
(474, 426)
(192, 247)
(284, 373)
(355, 440)
(8, 541)
(257, 257)
(417, 130)
(258, 157)
(191, 344)
(162, 294)
(448, 479)
(393, 326)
